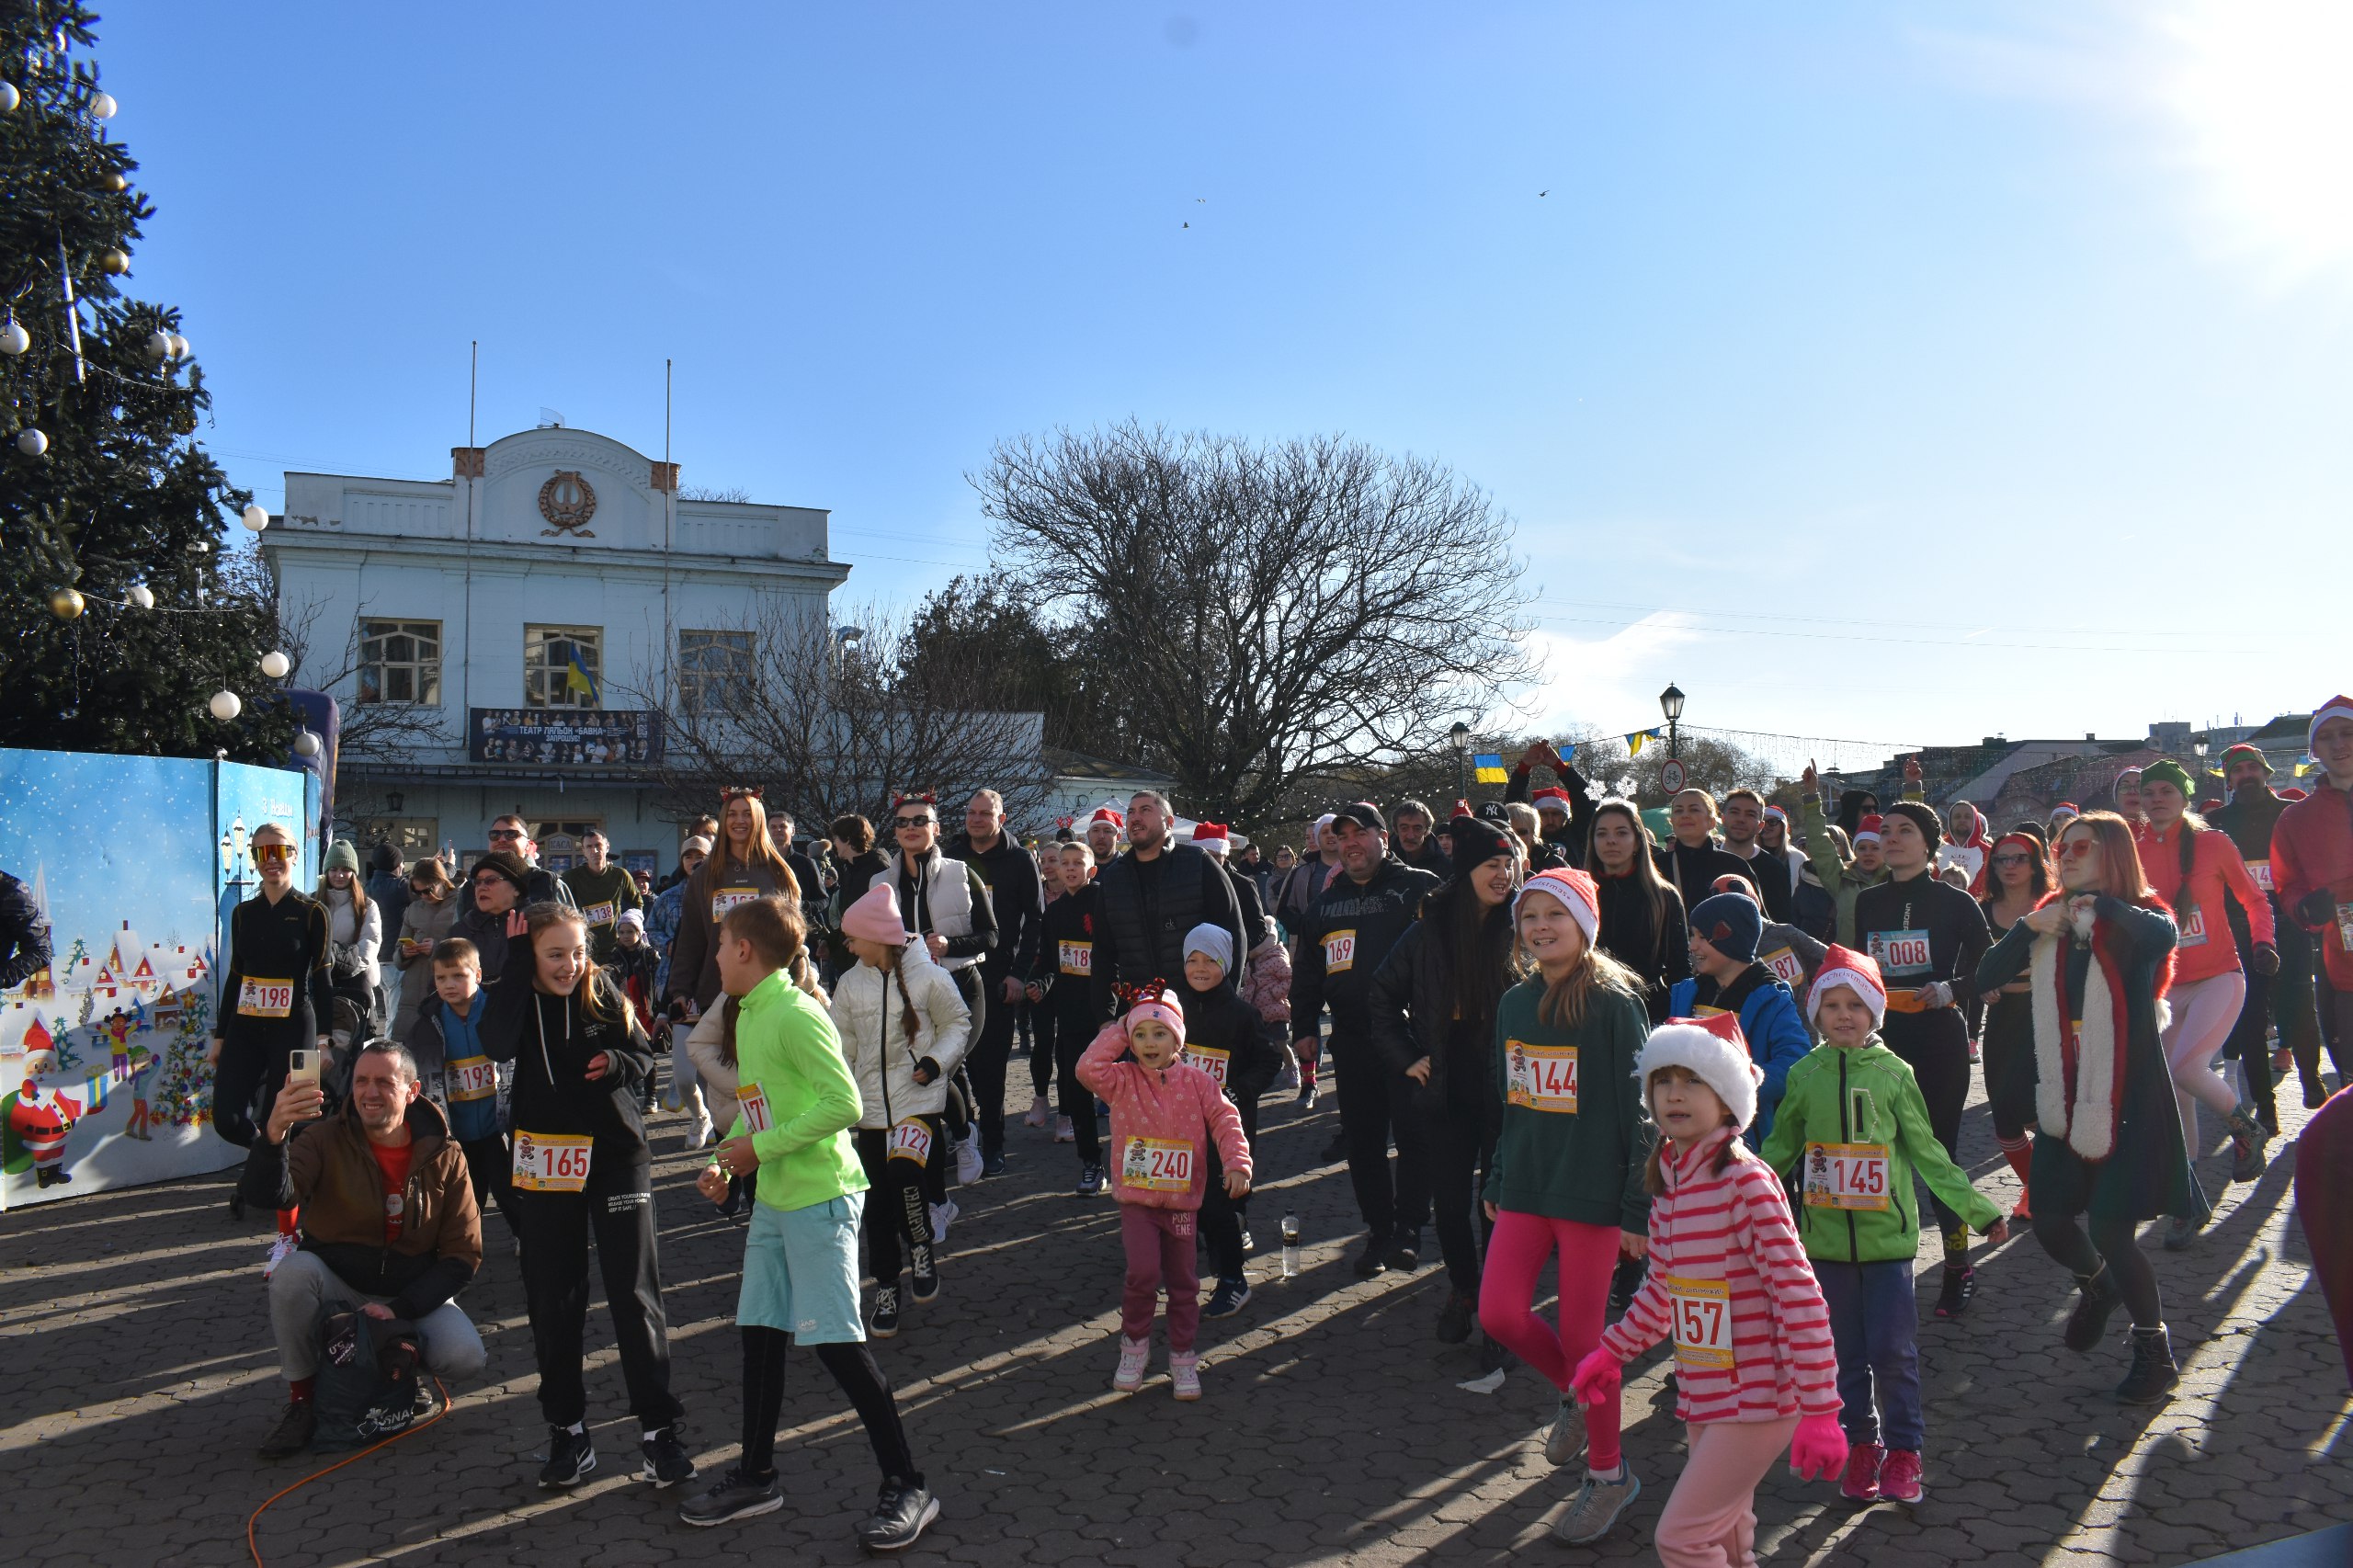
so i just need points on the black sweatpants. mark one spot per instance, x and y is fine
(618, 1205)
(490, 1165)
(1935, 1044)
(1373, 1105)
(975, 995)
(251, 1070)
(1460, 1150)
(898, 1215)
(854, 1368)
(1223, 1217)
(1038, 1031)
(992, 1052)
(1073, 1099)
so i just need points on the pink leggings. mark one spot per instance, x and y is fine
(1516, 1256)
(2203, 1013)
(1160, 1256)
(1710, 1520)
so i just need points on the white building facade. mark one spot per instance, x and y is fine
(541, 610)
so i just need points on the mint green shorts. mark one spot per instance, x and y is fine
(800, 1271)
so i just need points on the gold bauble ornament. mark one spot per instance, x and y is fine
(116, 182)
(114, 261)
(66, 604)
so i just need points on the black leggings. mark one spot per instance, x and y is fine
(854, 1368)
(2112, 1242)
(1936, 1046)
(960, 1106)
(1221, 1217)
(1460, 1152)
(1074, 1099)
(987, 1061)
(490, 1165)
(897, 1214)
(1038, 1036)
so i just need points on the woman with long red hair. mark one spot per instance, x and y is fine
(2097, 957)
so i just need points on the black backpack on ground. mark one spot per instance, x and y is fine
(366, 1381)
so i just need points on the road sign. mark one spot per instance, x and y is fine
(1671, 775)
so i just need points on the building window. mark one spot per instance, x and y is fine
(714, 670)
(559, 843)
(413, 836)
(399, 661)
(562, 667)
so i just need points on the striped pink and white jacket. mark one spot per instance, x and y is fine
(1724, 1246)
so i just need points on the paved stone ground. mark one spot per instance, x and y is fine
(1333, 1431)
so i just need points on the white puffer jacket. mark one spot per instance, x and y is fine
(868, 1014)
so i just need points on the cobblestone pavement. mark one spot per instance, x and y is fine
(1334, 1430)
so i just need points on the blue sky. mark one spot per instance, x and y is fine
(1889, 373)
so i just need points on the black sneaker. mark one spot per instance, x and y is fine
(1960, 1285)
(1090, 1181)
(927, 1272)
(738, 1496)
(666, 1463)
(1249, 1243)
(1369, 1260)
(1455, 1318)
(292, 1432)
(571, 1456)
(1405, 1253)
(424, 1402)
(1230, 1296)
(1337, 1149)
(902, 1510)
(992, 1164)
(2154, 1374)
(885, 1321)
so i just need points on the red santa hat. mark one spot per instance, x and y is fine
(1462, 809)
(1551, 798)
(1211, 837)
(1868, 828)
(1105, 813)
(2291, 793)
(2335, 708)
(1711, 1050)
(1577, 893)
(2065, 808)
(1777, 814)
(1858, 973)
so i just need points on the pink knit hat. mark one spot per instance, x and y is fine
(875, 917)
(1154, 1002)
(1577, 893)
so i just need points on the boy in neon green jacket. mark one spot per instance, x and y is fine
(1853, 1128)
(795, 1103)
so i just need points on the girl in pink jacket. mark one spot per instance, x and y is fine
(1163, 1115)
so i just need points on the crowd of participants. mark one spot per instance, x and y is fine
(1701, 1074)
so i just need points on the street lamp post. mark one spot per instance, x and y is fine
(1461, 736)
(1670, 702)
(2200, 744)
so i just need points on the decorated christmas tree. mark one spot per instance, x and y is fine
(121, 615)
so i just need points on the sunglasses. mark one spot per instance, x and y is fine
(498, 833)
(2076, 849)
(270, 854)
(2011, 860)
(904, 823)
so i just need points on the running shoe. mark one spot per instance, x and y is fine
(968, 1161)
(1860, 1483)
(942, 1216)
(738, 1495)
(571, 1456)
(1405, 1253)
(1368, 1259)
(1063, 1131)
(1185, 1374)
(2180, 1231)
(1306, 1101)
(884, 1324)
(1564, 1438)
(925, 1265)
(1287, 1080)
(1133, 1354)
(666, 1461)
(902, 1510)
(293, 1432)
(700, 1138)
(1953, 1300)
(1090, 1181)
(1596, 1507)
(993, 1165)
(1230, 1296)
(1454, 1319)
(1039, 1111)
(1899, 1478)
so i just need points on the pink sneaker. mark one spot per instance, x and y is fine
(1185, 1371)
(1899, 1478)
(1862, 1482)
(1133, 1354)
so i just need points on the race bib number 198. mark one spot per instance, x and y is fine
(1541, 1077)
(266, 998)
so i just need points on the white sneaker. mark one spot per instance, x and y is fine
(703, 1134)
(278, 1249)
(1185, 1375)
(1133, 1354)
(942, 1216)
(1288, 1079)
(672, 1100)
(968, 1161)
(1039, 1111)
(1063, 1131)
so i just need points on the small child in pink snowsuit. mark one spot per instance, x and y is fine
(1164, 1114)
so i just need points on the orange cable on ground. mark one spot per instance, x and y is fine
(255, 1547)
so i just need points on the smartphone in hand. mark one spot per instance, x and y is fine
(303, 1067)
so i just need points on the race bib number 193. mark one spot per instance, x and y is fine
(472, 1078)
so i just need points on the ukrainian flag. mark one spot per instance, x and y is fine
(577, 678)
(1490, 766)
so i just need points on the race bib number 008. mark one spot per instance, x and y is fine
(266, 998)
(1158, 1165)
(549, 1162)
(1845, 1175)
(1902, 953)
(1701, 1314)
(472, 1078)
(1541, 1077)
(1340, 952)
(911, 1140)
(1213, 1062)
(1077, 957)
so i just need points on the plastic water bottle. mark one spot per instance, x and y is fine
(1290, 1246)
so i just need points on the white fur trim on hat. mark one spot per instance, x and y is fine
(1575, 892)
(2335, 708)
(1867, 987)
(1706, 1056)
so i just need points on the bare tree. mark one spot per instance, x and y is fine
(1271, 615)
(734, 493)
(365, 731)
(829, 724)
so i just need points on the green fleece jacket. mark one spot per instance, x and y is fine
(789, 1061)
(1576, 1133)
(1867, 1097)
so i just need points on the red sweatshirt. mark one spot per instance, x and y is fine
(1730, 1282)
(2206, 949)
(2312, 848)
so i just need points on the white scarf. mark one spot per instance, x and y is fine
(2089, 1125)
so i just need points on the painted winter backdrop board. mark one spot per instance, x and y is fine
(103, 1080)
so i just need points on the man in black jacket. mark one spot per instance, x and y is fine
(1152, 896)
(1017, 898)
(1415, 844)
(1343, 940)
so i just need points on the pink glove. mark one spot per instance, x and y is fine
(1598, 1376)
(1819, 1449)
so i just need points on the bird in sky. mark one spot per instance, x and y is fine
(1188, 225)
(1543, 193)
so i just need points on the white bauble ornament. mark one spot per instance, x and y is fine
(257, 518)
(180, 350)
(305, 743)
(14, 338)
(102, 105)
(140, 595)
(159, 345)
(31, 442)
(9, 97)
(226, 706)
(274, 665)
